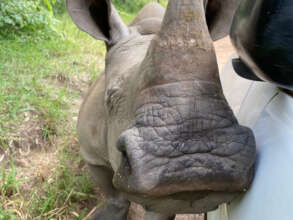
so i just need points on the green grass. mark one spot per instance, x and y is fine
(132, 7)
(67, 186)
(6, 215)
(129, 9)
(45, 78)
(9, 186)
(27, 67)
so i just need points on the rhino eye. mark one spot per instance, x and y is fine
(113, 97)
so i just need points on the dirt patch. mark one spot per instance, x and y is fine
(79, 83)
(136, 212)
(35, 168)
(27, 136)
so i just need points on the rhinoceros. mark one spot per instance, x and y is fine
(155, 128)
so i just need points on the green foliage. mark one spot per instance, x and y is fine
(26, 18)
(59, 7)
(130, 6)
(129, 9)
(49, 4)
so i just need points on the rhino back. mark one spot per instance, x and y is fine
(151, 10)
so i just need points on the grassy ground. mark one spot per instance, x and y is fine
(41, 87)
(42, 84)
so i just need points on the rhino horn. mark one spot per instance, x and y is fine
(184, 25)
(183, 49)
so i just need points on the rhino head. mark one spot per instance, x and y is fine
(169, 129)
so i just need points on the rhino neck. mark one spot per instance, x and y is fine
(183, 49)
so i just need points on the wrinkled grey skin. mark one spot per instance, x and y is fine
(155, 128)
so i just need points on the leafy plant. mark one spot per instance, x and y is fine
(26, 18)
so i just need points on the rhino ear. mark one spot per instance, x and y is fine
(98, 18)
(219, 16)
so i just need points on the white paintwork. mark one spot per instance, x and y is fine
(269, 113)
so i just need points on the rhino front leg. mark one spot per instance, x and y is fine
(117, 206)
(157, 216)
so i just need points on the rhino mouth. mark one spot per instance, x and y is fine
(185, 138)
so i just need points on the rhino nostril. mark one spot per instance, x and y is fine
(126, 162)
(121, 146)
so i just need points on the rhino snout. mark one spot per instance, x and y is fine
(154, 167)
